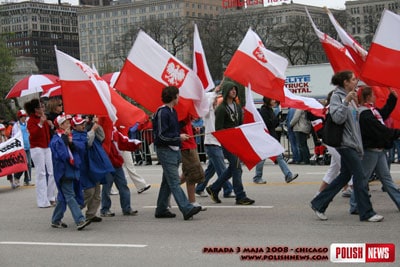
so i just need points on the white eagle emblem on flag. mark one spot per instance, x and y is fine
(174, 73)
(259, 54)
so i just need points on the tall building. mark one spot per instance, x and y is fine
(94, 2)
(34, 29)
(364, 16)
(101, 28)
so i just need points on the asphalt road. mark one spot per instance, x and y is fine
(280, 223)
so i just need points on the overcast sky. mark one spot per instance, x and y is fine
(338, 4)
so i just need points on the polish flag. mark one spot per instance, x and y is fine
(253, 63)
(250, 142)
(382, 64)
(251, 113)
(338, 55)
(303, 103)
(83, 90)
(200, 63)
(317, 124)
(149, 68)
(358, 53)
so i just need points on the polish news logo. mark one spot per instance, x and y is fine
(362, 252)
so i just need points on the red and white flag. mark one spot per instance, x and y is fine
(250, 142)
(251, 113)
(303, 103)
(83, 90)
(317, 124)
(382, 64)
(338, 55)
(149, 68)
(253, 63)
(358, 53)
(13, 156)
(200, 63)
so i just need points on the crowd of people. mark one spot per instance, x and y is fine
(78, 159)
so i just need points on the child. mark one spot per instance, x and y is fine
(66, 163)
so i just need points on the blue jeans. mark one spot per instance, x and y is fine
(350, 165)
(117, 177)
(376, 161)
(282, 164)
(216, 163)
(304, 151)
(235, 170)
(170, 183)
(293, 145)
(67, 190)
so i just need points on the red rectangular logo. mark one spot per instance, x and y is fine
(380, 252)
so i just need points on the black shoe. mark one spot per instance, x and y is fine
(147, 187)
(166, 214)
(192, 212)
(131, 213)
(245, 201)
(291, 177)
(213, 195)
(59, 225)
(82, 224)
(95, 219)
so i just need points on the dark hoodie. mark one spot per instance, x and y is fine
(225, 116)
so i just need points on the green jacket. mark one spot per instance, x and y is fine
(225, 116)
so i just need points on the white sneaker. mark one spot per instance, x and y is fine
(375, 218)
(114, 191)
(196, 204)
(201, 194)
(321, 215)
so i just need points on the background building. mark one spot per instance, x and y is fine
(34, 28)
(364, 16)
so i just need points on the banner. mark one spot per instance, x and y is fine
(12, 156)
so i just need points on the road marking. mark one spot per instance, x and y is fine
(223, 207)
(72, 244)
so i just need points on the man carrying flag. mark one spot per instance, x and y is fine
(229, 115)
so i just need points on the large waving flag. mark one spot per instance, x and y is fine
(382, 64)
(357, 52)
(338, 55)
(149, 68)
(253, 63)
(200, 63)
(83, 90)
(250, 142)
(303, 103)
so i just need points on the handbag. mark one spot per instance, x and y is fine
(332, 133)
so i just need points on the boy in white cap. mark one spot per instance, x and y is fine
(66, 162)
